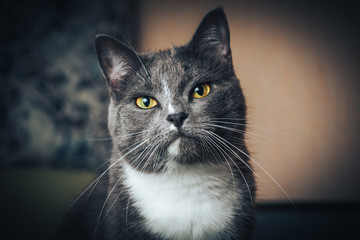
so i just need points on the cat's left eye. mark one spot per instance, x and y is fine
(201, 90)
(146, 102)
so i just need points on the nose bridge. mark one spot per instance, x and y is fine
(176, 110)
(175, 103)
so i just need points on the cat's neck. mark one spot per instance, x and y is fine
(185, 200)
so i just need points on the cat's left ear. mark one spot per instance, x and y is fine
(212, 37)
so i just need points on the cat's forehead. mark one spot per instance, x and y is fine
(165, 65)
(167, 71)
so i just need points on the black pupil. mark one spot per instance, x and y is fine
(199, 90)
(146, 101)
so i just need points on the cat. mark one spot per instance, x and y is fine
(179, 167)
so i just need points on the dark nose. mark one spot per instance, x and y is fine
(177, 119)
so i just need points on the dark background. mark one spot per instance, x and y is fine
(53, 105)
(53, 98)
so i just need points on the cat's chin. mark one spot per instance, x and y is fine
(185, 149)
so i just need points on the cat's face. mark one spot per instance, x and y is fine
(163, 105)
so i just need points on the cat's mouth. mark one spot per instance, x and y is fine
(180, 136)
(182, 145)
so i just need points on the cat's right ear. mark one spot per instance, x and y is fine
(115, 60)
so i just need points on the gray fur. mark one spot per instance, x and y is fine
(141, 137)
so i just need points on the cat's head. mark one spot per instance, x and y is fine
(164, 105)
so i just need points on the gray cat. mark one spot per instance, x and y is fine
(179, 168)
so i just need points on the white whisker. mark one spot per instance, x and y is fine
(242, 175)
(247, 134)
(238, 131)
(94, 183)
(139, 158)
(254, 126)
(231, 172)
(263, 169)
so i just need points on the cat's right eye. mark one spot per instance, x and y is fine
(146, 102)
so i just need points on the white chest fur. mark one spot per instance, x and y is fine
(193, 202)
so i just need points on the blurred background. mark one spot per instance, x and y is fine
(298, 65)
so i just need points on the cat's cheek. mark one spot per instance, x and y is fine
(199, 107)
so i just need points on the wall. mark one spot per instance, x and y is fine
(297, 66)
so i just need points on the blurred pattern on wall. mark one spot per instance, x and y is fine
(298, 63)
(53, 97)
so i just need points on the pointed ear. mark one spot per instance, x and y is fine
(212, 37)
(115, 59)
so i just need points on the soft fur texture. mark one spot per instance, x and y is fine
(179, 170)
(186, 202)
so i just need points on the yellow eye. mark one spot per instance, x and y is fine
(201, 90)
(146, 102)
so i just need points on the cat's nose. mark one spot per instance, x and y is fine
(177, 119)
